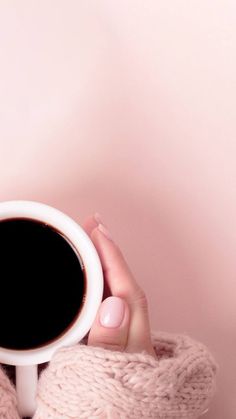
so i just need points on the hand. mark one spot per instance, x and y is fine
(122, 322)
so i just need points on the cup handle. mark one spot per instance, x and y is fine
(26, 388)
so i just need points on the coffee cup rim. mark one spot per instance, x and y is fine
(89, 259)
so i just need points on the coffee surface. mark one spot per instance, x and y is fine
(42, 284)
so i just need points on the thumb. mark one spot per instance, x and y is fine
(111, 326)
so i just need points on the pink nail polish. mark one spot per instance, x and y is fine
(97, 218)
(112, 312)
(105, 231)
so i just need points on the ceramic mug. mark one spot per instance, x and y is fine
(26, 361)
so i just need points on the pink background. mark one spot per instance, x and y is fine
(128, 108)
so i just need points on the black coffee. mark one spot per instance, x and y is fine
(42, 284)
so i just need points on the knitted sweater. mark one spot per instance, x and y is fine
(91, 382)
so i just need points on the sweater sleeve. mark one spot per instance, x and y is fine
(91, 382)
(8, 401)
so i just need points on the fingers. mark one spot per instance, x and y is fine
(89, 224)
(122, 284)
(111, 327)
(117, 273)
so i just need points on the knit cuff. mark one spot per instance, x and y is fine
(91, 382)
(8, 401)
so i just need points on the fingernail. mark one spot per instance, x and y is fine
(105, 231)
(205, 411)
(97, 218)
(112, 312)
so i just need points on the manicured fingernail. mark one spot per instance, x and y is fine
(112, 312)
(105, 231)
(97, 218)
(205, 411)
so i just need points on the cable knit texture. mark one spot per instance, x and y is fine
(91, 382)
(8, 402)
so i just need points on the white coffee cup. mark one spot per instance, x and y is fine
(26, 361)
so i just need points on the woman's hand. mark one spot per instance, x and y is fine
(122, 322)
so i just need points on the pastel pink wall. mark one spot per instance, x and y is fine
(128, 108)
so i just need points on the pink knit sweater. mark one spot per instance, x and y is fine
(90, 382)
